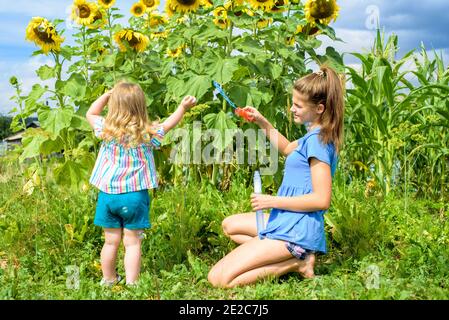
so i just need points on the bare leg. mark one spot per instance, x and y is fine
(109, 252)
(132, 241)
(241, 227)
(303, 267)
(257, 259)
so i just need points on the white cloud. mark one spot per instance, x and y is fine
(353, 41)
(43, 8)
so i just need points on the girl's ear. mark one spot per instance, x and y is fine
(320, 109)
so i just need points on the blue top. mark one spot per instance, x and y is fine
(305, 229)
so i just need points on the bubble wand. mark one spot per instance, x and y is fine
(238, 111)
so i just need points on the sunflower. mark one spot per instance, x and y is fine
(265, 5)
(234, 6)
(138, 9)
(323, 11)
(99, 19)
(279, 6)
(133, 39)
(290, 41)
(221, 17)
(182, 6)
(43, 34)
(263, 23)
(106, 3)
(150, 4)
(157, 19)
(83, 12)
(174, 53)
(307, 30)
(159, 35)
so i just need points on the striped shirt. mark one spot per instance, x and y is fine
(119, 169)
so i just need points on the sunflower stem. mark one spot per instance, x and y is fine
(86, 69)
(111, 45)
(229, 47)
(58, 77)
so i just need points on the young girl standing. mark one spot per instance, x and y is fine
(295, 228)
(124, 171)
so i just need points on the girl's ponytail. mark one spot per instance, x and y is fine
(332, 117)
(326, 87)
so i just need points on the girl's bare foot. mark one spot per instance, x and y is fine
(306, 266)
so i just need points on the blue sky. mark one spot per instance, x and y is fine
(413, 21)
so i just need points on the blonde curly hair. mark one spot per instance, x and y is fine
(127, 120)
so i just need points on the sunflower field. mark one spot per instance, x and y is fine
(390, 193)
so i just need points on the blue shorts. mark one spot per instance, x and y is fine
(124, 210)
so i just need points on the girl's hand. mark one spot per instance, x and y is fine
(255, 115)
(188, 102)
(261, 201)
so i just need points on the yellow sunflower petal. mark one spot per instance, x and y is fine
(159, 35)
(265, 5)
(263, 23)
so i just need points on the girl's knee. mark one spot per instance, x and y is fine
(218, 278)
(112, 242)
(225, 226)
(132, 238)
(215, 279)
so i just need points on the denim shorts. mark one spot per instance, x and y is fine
(297, 251)
(125, 210)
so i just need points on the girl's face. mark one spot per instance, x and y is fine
(302, 110)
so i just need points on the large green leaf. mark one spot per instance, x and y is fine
(222, 70)
(197, 86)
(224, 124)
(50, 146)
(54, 120)
(80, 123)
(249, 96)
(70, 173)
(32, 141)
(45, 72)
(75, 87)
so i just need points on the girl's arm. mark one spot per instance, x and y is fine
(319, 199)
(175, 117)
(97, 107)
(276, 138)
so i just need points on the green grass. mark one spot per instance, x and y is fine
(404, 240)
